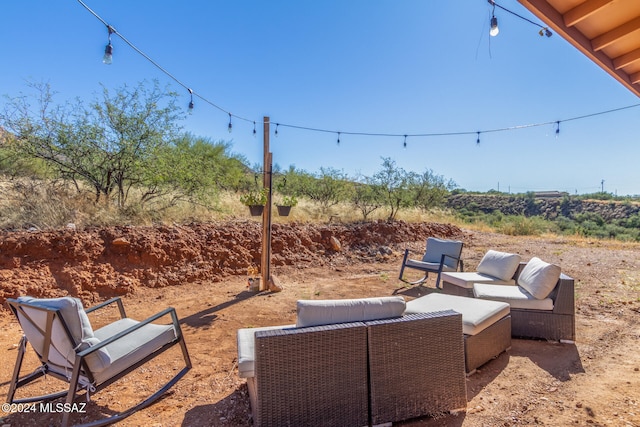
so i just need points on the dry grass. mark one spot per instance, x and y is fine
(28, 203)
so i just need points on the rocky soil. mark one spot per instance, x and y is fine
(201, 270)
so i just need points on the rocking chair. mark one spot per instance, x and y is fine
(440, 255)
(59, 331)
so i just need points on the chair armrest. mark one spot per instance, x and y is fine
(408, 251)
(458, 261)
(166, 311)
(564, 296)
(117, 300)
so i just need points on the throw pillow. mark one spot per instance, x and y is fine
(327, 312)
(501, 265)
(539, 278)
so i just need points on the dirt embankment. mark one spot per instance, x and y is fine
(98, 263)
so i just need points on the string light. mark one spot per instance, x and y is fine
(494, 30)
(108, 50)
(405, 142)
(154, 63)
(230, 127)
(543, 30)
(190, 102)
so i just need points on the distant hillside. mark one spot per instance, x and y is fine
(544, 207)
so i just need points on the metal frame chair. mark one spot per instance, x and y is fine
(440, 255)
(59, 331)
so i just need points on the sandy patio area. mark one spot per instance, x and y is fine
(595, 381)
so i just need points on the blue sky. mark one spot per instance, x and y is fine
(383, 66)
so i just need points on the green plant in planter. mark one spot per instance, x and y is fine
(288, 201)
(255, 198)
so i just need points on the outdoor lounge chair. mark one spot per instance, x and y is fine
(440, 255)
(59, 331)
(542, 302)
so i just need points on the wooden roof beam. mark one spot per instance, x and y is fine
(606, 39)
(549, 15)
(635, 78)
(626, 59)
(583, 11)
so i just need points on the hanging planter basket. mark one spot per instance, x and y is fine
(284, 210)
(256, 210)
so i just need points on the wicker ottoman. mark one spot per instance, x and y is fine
(486, 325)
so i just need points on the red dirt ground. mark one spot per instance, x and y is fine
(200, 269)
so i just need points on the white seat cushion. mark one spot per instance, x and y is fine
(328, 312)
(430, 266)
(133, 347)
(477, 315)
(468, 278)
(539, 277)
(516, 296)
(247, 348)
(501, 265)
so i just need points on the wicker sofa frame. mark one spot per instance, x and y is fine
(359, 374)
(558, 324)
(555, 325)
(304, 375)
(416, 366)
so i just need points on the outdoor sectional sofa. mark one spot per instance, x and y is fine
(354, 363)
(542, 299)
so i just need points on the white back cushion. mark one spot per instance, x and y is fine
(327, 312)
(62, 352)
(438, 247)
(539, 277)
(501, 265)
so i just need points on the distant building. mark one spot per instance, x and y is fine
(549, 194)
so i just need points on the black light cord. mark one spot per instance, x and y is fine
(112, 30)
(494, 4)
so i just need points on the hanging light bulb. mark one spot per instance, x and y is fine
(191, 101)
(254, 128)
(108, 54)
(108, 50)
(230, 127)
(494, 27)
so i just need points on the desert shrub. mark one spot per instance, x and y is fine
(519, 225)
(590, 218)
(35, 203)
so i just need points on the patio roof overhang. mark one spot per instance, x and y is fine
(607, 31)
